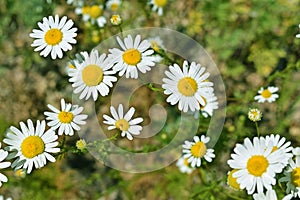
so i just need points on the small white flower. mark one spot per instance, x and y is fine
(257, 165)
(92, 76)
(254, 114)
(135, 56)
(187, 86)
(123, 122)
(81, 144)
(66, 119)
(196, 150)
(55, 35)
(184, 166)
(267, 94)
(211, 104)
(116, 20)
(113, 5)
(156, 43)
(94, 14)
(158, 5)
(32, 145)
(270, 195)
(3, 165)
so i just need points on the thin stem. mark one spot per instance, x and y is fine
(257, 129)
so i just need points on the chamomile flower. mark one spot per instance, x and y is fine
(256, 164)
(184, 166)
(158, 5)
(156, 43)
(93, 13)
(298, 35)
(67, 119)
(211, 104)
(31, 145)
(292, 177)
(267, 94)
(196, 150)
(279, 143)
(92, 76)
(81, 144)
(270, 195)
(115, 20)
(232, 181)
(135, 56)
(254, 114)
(124, 123)
(3, 165)
(113, 5)
(56, 35)
(188, 86)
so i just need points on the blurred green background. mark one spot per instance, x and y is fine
(252, 42)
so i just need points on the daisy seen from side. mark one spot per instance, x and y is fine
(123, 122)
(113, 5)
(32, 146)
(256, 164)
(93, 76)
(3, 165)
(184, 165)
(56, 35)
(268, 94)
(93, 13)
(232, 181)
(158, 6)
(196, 150)
(187, 86)
(66, 119)
(134, 57)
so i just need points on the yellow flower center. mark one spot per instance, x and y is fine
(160, 3)
(32, 146)
(92, 75)
(198, 150)
(53, 36)
(231, 181)
(95, 11)
(257, 165)
(85, 10)
(65, 117)
(266, 94)
(132, 57)
(81, 144)
(122, 124)
(187, 86)
(296, 176)
(71, 66)
(114, 6)
(154, 46)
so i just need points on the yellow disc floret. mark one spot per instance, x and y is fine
(198, 150)
(92, 75)
(32, 146)
(266, 94)
(257, 165)
(132, 57)
(53, 36)
(65, 117)
(160, 3)
(122, 124)
(187, 86)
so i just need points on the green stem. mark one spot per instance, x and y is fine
(257, 129)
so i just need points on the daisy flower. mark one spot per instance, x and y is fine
(113, 5)
(33, 146)
(158, 5)
(116, 20)
(232, 181)
(184, 166)
(67, 119)
(211, 104)
(92, 14)
(3, 165)
(254, 114)
(196, 150)
(267, 94)
(156, 43)
(124, 123)
(278, 142)
(135, 56)
(292, 176)
(298, 35)
(188, 86)
(256, 164)
(92, 76)
(55, 36)
(270, 195)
